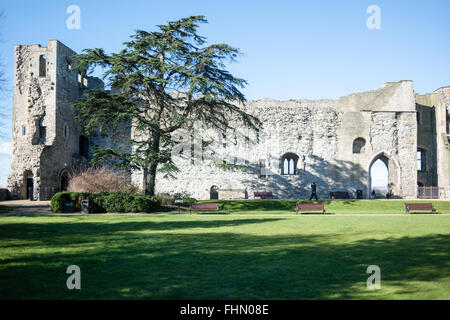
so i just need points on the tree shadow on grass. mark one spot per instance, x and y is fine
(86, 229)
(214, 265)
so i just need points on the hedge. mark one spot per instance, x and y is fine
(106, 202)
(168, 199)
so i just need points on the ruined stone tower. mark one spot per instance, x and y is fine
(46, 143)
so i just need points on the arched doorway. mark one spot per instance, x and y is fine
(65, 177)
(379, 177)
(28, 183)
(383, 175)
(214, 193)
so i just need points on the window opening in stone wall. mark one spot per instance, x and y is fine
(421, 160)
(42, 132)
(84, 146)
(42, 65)
(289, 164)
(359, 145)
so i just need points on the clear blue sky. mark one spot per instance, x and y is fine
(291, 49)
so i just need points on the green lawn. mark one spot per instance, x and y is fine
(334, 206)
(223, 257)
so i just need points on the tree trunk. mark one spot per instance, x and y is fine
(151, 179)
(150, 173)
(144, 180)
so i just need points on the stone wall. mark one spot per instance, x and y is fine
(426, 138)
(443, 139)
(319, 135)
(434, 139)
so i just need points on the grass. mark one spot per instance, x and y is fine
(4, 209)
(331, 206)
(224, 257)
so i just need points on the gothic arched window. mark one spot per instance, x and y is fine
(289, 164)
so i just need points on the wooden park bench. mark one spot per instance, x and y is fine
(204, 207)
(263, 194)
(419, 206)
(339, 195)
(310, 207)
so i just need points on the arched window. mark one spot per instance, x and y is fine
(289, 164)
(359, 145)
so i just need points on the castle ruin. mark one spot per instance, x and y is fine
(333, 143)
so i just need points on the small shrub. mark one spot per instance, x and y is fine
(100, 179)
(58, 200)
(182, 195)
(189, 201)
(167, 199)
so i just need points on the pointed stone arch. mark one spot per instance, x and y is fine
(214, 193)
(64, 179)
(393, 168)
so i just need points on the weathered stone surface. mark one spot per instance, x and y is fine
(442, 124)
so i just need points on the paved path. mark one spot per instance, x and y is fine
(35, 208)
(26, 207)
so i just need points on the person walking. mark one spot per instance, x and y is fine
(313, 191)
